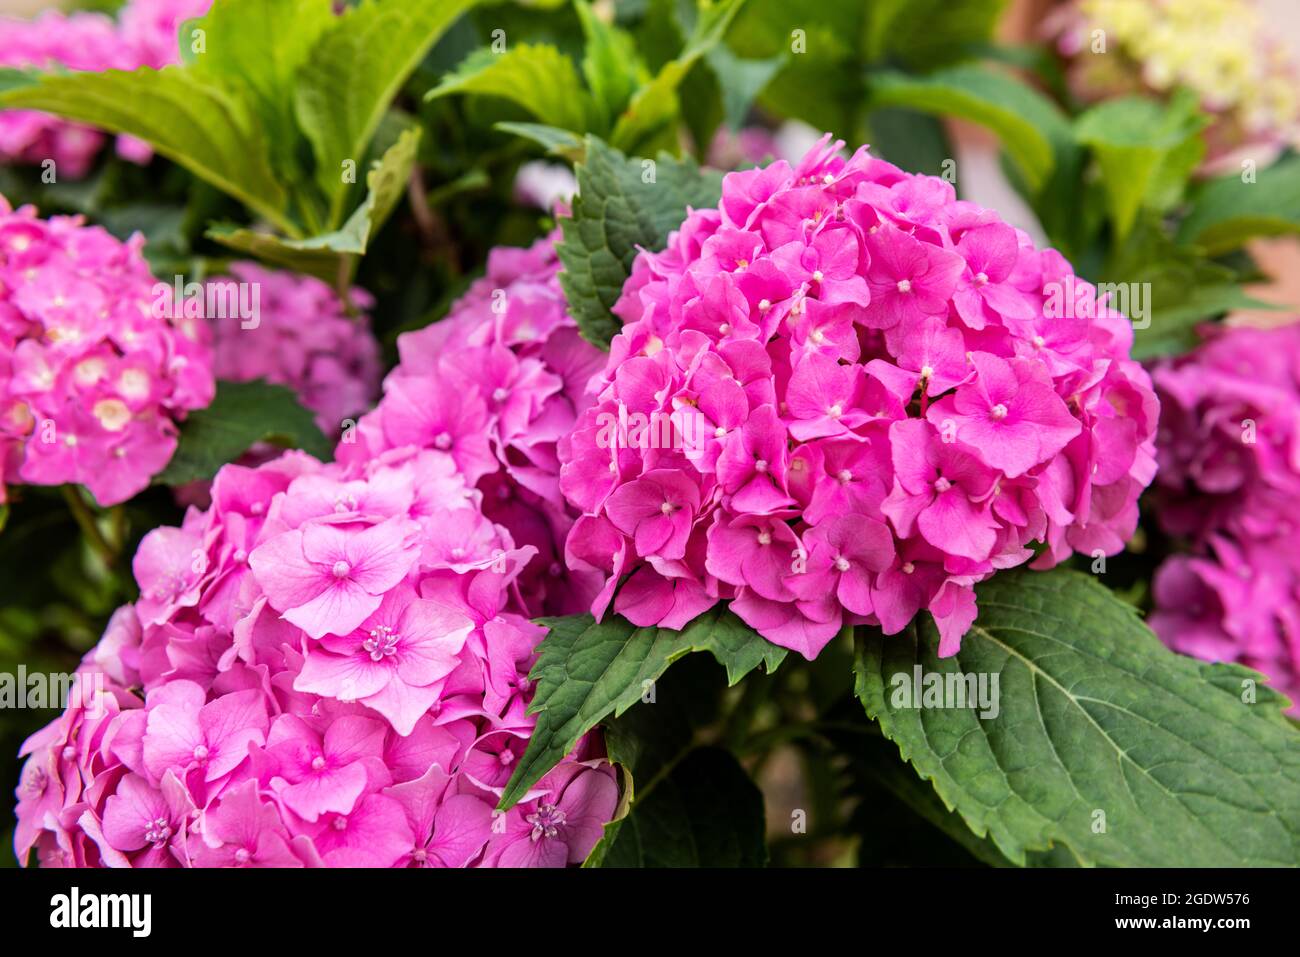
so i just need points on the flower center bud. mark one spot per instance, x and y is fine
(817, 276)
(443, 440)
(760, 465)
(835, 411)
(719, 432)
(158, 831)
(318, 763)
(981, 278)
(942, 485)
(841, 563)
(904, 285)
(341, 569)
(242, 856)
(666, 508)
(765, 537)
(546, 821)
(998, 412)
(764, 305)
(845, 476)
(908, 568)
(201, 753)
(382, 643)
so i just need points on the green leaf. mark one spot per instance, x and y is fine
(705, 813)
(536, 77)
(241, 415)
(616, 213)
(1228, 211)
(1179, 287)
(647, 741)
(924, 34)
(190, 120)
(557, 142)
(587, 671)
(1145, 151)
(1097, 717)
(610, 64)
(912, 141)
(655, 106)
(741, 81)
(329, 255)
(1029, 125)
(258, 47)
(353, 73)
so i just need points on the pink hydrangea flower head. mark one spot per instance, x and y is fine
(495, 386)
(1229, 454)
(302, 336)
(96, 368)
(146, 33)
(858, 397)
(311, 679)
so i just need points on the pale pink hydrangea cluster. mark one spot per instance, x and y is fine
(146, 34)
(495, 385)
(845, 396)
(1229, 480)
(94, 370)
(328, 667)
(302, 337)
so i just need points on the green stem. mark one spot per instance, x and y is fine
(86, 521)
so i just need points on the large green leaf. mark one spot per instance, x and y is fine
(189, 119)
(1228, 211)
(536, 77)
(258, 47)
(1029, 125)
(622, 208)
(241, 415)
(1106, 743)
(587, 671)
(354, 71)
(1145, 151)
(705, 813)
(330, 256)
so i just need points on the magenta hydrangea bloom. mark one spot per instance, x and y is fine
(495, 385)
(312, 678)
(845, 396)
(95, 368)
(1228, 482)
(303, 337)
(145, 34)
